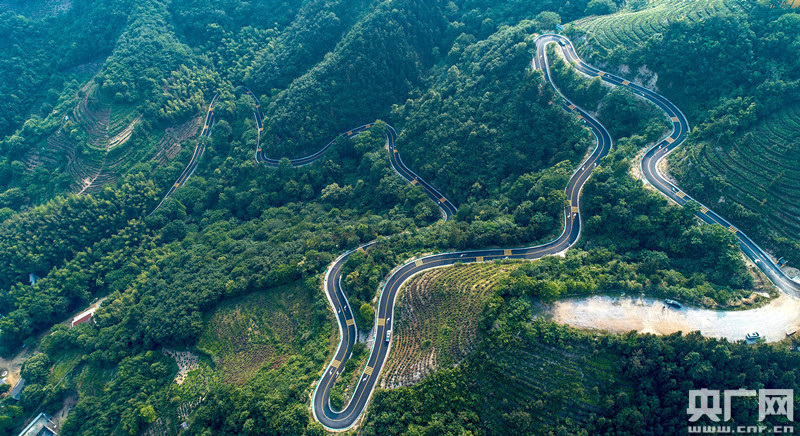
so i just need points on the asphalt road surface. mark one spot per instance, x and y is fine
(654, 156)
(198, 151)
(346, 418)
(338, 420)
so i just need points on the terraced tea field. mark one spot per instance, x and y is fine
(90, 143)
(437, 320)
(545, 369)
(755, 176)
(628, 28)
(565, 381)
(108, 127)
(122, 121)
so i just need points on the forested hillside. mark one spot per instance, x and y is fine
(211, 309)
(536, 377)
(732, 67)
(468, 119)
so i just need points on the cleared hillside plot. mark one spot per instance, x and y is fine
(90, 143)
(60, 150)
(124, 133)
(108, 124)
(107, 127)
(753, 178)
(92, 114)
(437, 316)
(627, 27)
(122, 120)
(256, 331)
(170, 143)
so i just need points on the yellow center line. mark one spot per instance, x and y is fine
(348, 335)
(368, 370)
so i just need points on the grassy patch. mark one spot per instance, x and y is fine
(63, 363)
(92, 378)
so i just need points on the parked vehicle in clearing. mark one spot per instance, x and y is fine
(672, 303)
(752, 336)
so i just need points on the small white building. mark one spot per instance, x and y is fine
(41, 426)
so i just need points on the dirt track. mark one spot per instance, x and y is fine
(648, 315)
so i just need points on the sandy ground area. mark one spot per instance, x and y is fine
(14, 366)
(620, 314)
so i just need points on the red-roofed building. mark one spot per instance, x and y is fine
(83, 317)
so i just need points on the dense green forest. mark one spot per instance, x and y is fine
(729, 73)
(630, 384)
(101, 103)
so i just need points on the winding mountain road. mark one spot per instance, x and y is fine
(657, 153)
(447, 207)
(198, 151)
(345, 419)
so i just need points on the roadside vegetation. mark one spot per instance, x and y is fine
(111, 91)
(347, 381)
(530, 376)
(740, 100)
(437, 320)
(639, 20)
(635, 241)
